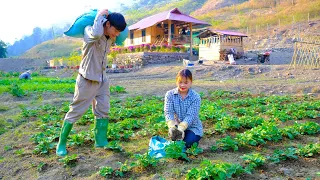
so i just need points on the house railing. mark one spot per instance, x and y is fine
(178, 39)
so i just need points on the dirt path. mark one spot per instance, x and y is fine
(269, 79)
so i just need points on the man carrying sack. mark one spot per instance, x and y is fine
(92, 84)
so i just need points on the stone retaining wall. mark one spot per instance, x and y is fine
(144, 58)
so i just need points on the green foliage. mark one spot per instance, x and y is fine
(105, 171)
(117, 89)
(44, 146)
(78, 139)
(176, 150)
(114, 146)
(9, 74)
(41, 166)
(218, 171)
(144, 161)
(281, 155)
(309, 150)
(194, 150)
(124, 168)
(253, 160)
(3, 49)
(227, 143)
(120, 172)
(132, 116)
(69, 160)
(7, 148)
(259, 135)
(40, 84)
(16, 90)
(227, 123)
(19, 152)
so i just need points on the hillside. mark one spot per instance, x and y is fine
(59, 47)
(255, 15)
(211, 5)
(263, 21)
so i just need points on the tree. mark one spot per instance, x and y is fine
(36, 36)
(3, 49)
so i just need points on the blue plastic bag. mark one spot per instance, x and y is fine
(86, 19)
(157, 145)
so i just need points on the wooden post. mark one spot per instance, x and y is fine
(190, 39)
(292, 22)
(169, 33)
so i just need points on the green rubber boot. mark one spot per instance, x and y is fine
(61, 149)
(100, 132)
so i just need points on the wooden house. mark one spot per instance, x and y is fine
(212, 42)
(169, 27)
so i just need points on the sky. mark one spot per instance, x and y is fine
(19, 17)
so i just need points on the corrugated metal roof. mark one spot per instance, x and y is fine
(221, 32)
(173, 14)
(227, 32)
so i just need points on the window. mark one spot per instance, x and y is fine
(131, 37)
(143, 34)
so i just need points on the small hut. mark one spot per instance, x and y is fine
(215, 43)
(170, 27)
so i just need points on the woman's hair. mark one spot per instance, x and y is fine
(116, 20)
(184, 73)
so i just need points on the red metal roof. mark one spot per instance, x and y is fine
(173, 14)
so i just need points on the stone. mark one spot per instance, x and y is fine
(286, 171)
(176, 135)
(263, 176)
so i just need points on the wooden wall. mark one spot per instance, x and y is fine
(151, 35)
(210, 47)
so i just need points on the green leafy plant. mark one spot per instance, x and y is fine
(117, 89)
(44, 146)
(218, 171)
(228, 143)
(108, 171)
(41, 166)
(144, 161)
(194, 150)
(281, 155)
(7, 148)
(253, 160)
(19, 152)
(105, 171)
(309, 150)
(176, 150)
(114, 146)
(78, 139)
(69, 160)
(124, 168)
(15, 90)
